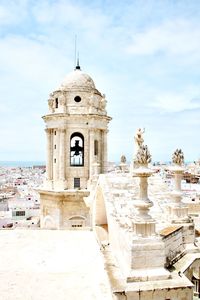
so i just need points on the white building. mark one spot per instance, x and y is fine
(149, 255)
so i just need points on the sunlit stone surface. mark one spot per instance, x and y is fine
(42, 264)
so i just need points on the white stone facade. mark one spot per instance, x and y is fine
(139, 264)
(139, 244)
(76, 130)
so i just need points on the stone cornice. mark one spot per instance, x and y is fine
(69, 116)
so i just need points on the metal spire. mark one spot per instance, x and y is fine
(76, 61)
(77, 64)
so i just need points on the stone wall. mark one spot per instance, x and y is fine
(173, 244)
(62, 210)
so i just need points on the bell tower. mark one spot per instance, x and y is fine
(76, 130)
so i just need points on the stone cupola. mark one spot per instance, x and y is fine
(76, 127)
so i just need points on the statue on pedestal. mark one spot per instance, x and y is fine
(139, 137)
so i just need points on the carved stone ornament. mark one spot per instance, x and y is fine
(123, 159)
(62, 100)
(103, 103)
(50, 102)
(143, 156)
(90, 100)
(178, 157)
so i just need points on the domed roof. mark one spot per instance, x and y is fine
(78, 79)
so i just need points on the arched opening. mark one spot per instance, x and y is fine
(96, 147)
(77, 150)
(56, 103)
(48, 223)
(100, 223)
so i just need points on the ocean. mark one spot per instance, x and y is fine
(21, 163)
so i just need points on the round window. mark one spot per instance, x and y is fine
(77, 99)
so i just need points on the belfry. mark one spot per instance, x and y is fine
(76, 130)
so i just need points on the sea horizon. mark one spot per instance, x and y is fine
(31, 163)
(21, 163)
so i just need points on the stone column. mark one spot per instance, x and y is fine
(178, 210)
(91, 149)
(104, 151)
(144, 224)
(62, 156)
(147, 249)
(49, 154)
(95, 167)
(57, 173)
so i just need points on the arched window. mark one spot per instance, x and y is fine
(77, 221)
(56, 101)
(95, 147)
(77, 150)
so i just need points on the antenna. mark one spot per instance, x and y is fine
(76, 56)
(75, 51)
(77, 62)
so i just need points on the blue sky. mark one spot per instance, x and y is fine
(144, 55)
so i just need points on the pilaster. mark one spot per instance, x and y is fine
(104, 151)
(62, 156)
(49, 154)
(91, 151)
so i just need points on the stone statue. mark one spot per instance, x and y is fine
(143, 156)
(139, 137)
(178, 157)
(123, 159)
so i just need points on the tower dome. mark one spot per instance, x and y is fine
(77, 80)
(76, 129)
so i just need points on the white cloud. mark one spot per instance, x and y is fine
(152, 91)
(175, 37)
(174, 101)
(27, 61)
(69, 13)
(13, 12)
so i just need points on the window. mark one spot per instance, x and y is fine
(55, 132)
(54, 146)
(95, 147)
(56, 103)
(76, 182)
(20, 213)
(77, 99)
(54, 160)
(77, 221)
(76, 150)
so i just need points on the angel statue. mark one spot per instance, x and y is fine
(139, 137)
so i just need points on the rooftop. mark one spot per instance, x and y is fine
(46, 264)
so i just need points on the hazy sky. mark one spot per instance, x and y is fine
(144, 55)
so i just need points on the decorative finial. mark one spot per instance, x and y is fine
(143, 156)
(178, 157)
(77, 64)
(123, 159)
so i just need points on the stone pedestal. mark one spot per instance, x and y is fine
(177, 209)
(123, 167)
(147, 249)
(143, 223)
(148, 259)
